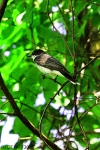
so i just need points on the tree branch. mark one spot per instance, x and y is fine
(90, 62)
(20, 115)
(2, 8)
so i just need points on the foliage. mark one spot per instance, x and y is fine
(69, 31)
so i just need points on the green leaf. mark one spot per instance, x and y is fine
(79, 6)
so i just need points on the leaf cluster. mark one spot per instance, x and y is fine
(69, 31)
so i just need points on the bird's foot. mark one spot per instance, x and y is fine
(43, 76)
(55, 79)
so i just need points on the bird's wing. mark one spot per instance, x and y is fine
(53, 64)
(50, 63)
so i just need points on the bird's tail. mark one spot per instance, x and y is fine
(70, 78)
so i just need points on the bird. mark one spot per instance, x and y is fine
(51, 66)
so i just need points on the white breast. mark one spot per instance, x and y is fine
(48, 71)
(44, 70)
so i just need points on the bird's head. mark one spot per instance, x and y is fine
(36, 53)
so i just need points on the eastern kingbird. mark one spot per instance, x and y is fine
(49, 65)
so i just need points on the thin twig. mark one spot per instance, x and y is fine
(57, 93)
(58, 31)
(90, 62)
